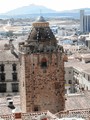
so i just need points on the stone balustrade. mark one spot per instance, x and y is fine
(78, 113)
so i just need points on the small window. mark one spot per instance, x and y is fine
(70, 81)
(77, 82)
(14, 67)
(65, 91)
(65, 81)
(69, 72)
(87, 87)
(2, 67)
(88, 78)
(3, 87)
(36, 108)
(15, 87)
(2, 77)
(57, 85)
(44, 63)
(84, 75)
(14, 76)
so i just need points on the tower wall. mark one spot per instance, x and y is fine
(42, 70)
(42, 88)
(22, 83)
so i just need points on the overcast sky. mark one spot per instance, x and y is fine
(59, 5)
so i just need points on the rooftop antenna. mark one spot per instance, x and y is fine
(40, 12)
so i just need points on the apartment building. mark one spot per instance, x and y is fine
(84, 22)
(9, 68)
(77, 75)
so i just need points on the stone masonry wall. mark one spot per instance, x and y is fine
(22, 84)
(42, 88)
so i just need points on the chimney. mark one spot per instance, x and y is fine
(12, 48)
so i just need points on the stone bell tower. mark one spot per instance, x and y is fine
(42, 82)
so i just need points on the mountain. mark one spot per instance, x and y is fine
(87, 10)
(31, 9)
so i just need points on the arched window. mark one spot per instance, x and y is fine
(44, 63)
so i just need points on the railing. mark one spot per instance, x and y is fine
(29, 116)
(8, 117)
(32, 116)
(79, 113)
(38, 116)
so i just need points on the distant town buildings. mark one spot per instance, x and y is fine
(84, 22)
(40, 70)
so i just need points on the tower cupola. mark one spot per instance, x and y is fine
(40, 39)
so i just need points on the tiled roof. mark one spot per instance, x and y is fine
(81, 101)
(78, 65)
(41, 34)
(4, 109)
(2, 44)
(78, 101)
(6, 55)
(87, 70)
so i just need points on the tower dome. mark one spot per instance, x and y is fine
(40, 22)
(41, 37)
(41, 33)
(40, 19)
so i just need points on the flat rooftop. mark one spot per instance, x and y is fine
(79, 65)
(4, 109)
(72, 102)
(78, 101)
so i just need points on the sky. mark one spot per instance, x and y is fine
(58, 5)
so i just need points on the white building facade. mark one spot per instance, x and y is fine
(9, 79)
(77, 76)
